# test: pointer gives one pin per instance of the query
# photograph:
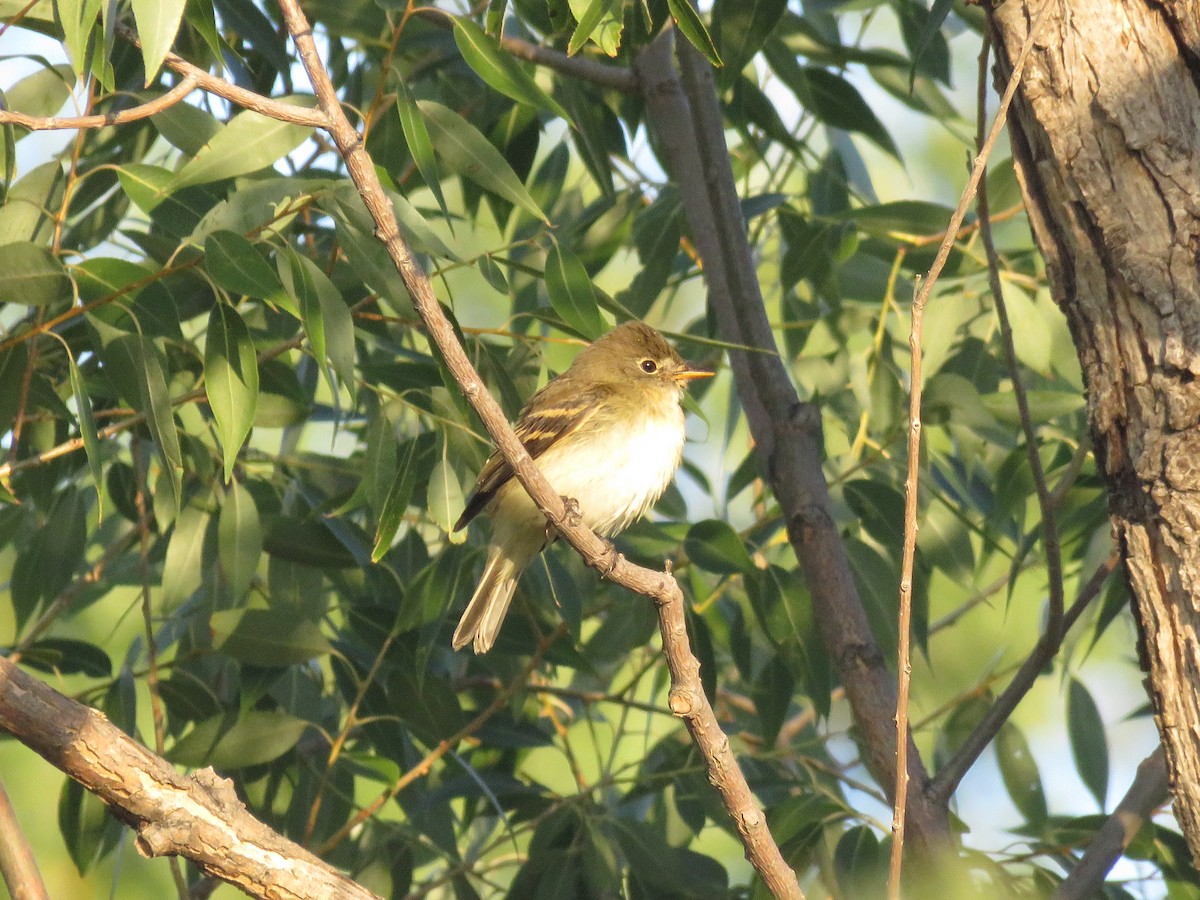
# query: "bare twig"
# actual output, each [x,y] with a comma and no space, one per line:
[903,663]
[1146,794]
[17,865]
[133,114]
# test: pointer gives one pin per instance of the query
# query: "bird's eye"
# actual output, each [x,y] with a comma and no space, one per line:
[649,366]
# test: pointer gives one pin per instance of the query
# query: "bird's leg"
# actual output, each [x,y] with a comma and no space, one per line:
[669,566]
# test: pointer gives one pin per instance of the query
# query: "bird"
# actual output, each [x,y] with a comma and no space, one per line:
[607,433]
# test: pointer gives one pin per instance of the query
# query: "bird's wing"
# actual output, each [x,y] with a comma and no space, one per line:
[545,420]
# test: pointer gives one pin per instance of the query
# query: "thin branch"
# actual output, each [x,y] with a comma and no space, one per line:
[687,698]
[590,70]
[284,112]
[133,114]
[904,626]
[197,816]
[1147,793]
[946,781]
[17,864]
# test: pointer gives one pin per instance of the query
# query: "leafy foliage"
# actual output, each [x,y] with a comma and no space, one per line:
[216,400]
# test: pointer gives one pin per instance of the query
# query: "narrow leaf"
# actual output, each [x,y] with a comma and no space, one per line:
[230,380]
[157,24]
[251,141]
[498,68]
[471,155]
[239,539]
[236,265]
[571,293]
[87,430]
[416,135]
[1089,745]
[445,499]
[693,29]
[32,275]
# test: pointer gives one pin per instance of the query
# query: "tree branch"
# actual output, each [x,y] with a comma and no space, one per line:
[1147,793]
[198,816]
[133,114]
[787,433]
[284,112]
[580,67]
[687,698]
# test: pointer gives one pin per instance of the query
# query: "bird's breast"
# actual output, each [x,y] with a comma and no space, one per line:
[617,472]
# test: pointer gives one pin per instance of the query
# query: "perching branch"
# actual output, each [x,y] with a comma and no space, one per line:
[197,816]
[687,698]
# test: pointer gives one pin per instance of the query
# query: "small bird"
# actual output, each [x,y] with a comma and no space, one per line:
[607,433]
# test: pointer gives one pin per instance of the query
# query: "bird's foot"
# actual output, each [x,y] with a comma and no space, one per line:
[571,514]
[611,561]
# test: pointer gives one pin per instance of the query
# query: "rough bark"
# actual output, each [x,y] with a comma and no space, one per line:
[1106,136]
[197,816]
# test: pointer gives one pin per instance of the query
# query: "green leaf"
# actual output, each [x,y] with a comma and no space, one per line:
[741,27]
[396,502]
[236,265]
[601,22]
[498,68]
[715,547]
[445,499]
[182,574]
[87,828]
[87,430]
[23,217]
[471,155]
[33,276]
[571,293]
[257,737]
[1089,743]
[65,656]
[239,539]
[835,101]
[157,24]
[416,135]
[326,318]
[693,29]
[230,380]
[251,141]
[267,637]
[1019,771]
[139,356]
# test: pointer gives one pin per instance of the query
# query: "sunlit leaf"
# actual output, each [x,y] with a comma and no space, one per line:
[499,68]
[467,152]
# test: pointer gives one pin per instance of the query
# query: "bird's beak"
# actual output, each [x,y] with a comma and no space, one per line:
[691,373]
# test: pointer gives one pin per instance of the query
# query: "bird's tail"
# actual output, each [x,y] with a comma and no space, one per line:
[480,622]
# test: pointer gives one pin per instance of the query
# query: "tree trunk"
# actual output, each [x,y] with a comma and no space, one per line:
[1106,137]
